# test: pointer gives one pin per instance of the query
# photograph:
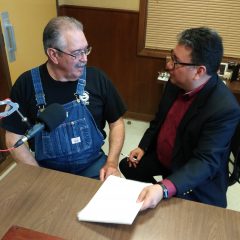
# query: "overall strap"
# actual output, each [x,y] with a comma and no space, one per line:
[81,85]
[39,94]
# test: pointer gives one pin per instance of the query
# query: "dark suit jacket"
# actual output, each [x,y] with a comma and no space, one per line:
[201,150]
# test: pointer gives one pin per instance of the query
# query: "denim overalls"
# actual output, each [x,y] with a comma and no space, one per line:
[75,145]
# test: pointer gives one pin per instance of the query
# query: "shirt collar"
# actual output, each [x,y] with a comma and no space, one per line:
[193,93]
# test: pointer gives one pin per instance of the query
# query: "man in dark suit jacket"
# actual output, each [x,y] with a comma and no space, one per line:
[188,141]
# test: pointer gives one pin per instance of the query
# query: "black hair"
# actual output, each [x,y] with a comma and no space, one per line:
[206,45]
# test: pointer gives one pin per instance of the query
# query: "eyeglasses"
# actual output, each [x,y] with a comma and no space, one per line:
[78,54]
[175,62]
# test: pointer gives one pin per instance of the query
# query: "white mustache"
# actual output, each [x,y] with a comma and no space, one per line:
[80,65]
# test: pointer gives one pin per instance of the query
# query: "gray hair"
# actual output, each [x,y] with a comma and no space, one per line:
[52,34]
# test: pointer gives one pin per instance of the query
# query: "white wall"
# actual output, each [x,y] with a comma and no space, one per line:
[28,18]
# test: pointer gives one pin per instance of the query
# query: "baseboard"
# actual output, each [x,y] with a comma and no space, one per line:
[139,116]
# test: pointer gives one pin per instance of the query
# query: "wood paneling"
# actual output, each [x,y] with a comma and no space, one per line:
[114,36]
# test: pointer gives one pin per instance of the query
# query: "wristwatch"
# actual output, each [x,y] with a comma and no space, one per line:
[165,191]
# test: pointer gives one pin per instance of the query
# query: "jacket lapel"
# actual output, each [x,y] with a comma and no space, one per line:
[194,109]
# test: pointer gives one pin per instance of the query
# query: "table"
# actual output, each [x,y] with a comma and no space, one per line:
[48,201]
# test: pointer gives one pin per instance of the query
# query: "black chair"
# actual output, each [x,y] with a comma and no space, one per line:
[234,158]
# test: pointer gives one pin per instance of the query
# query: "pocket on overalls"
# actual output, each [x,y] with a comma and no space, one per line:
[67,139]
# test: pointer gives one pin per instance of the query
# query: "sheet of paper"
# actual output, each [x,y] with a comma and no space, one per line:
[114,202]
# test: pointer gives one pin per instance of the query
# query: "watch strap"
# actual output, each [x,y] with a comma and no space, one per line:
[165,190]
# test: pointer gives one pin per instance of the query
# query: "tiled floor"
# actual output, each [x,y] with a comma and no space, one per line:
[134,132]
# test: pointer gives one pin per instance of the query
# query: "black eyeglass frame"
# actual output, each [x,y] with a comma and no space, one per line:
[86,51]
[176,62]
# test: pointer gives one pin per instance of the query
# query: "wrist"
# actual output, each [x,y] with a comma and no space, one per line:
[111,163]
[165,190]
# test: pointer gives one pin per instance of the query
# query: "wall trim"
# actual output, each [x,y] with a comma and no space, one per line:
[98,8]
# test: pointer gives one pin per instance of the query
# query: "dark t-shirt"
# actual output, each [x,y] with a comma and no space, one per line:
[105,104]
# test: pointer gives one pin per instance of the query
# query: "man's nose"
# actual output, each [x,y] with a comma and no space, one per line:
[83,57]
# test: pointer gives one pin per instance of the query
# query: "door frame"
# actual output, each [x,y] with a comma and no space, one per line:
[5,87]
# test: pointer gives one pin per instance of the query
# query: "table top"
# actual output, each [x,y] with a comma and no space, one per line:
[48,201]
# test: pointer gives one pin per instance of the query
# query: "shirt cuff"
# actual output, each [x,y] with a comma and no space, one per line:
[170,187]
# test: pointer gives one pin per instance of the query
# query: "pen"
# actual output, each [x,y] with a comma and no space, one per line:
[125,155]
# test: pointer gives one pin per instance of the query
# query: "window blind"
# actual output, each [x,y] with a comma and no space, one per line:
[165,19]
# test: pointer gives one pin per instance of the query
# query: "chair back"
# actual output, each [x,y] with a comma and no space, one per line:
[234,158]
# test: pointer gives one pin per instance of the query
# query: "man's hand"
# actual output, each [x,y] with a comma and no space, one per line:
[150,196]
[109,169]
[135,156]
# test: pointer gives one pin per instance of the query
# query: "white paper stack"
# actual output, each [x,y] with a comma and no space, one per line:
[114,202]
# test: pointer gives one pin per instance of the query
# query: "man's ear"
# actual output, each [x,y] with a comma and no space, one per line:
[53,55]
[201,71]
